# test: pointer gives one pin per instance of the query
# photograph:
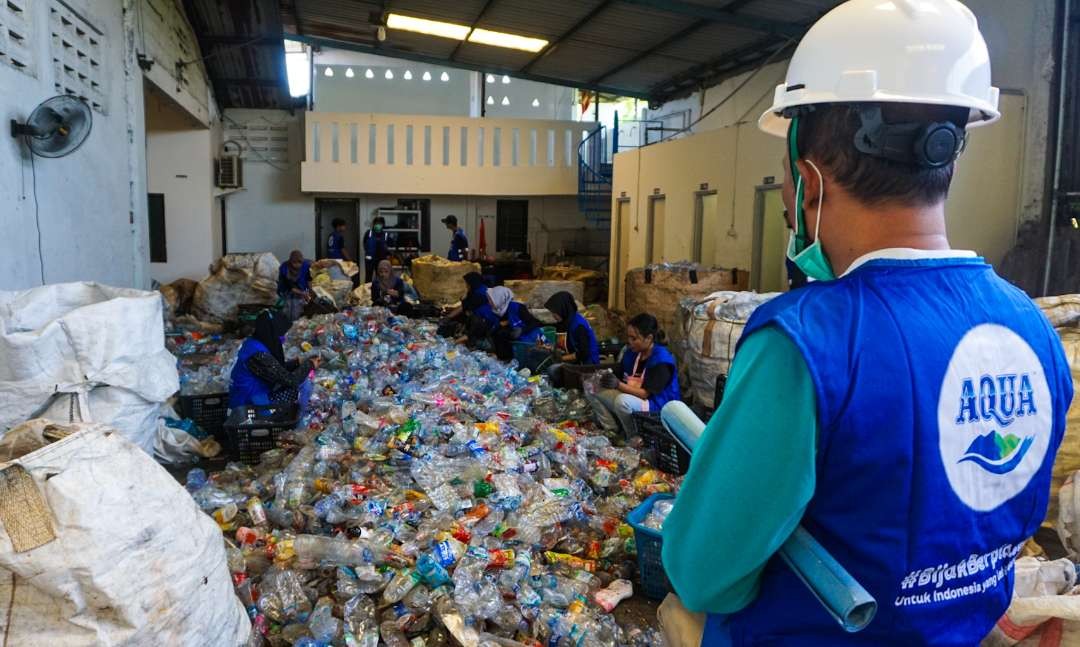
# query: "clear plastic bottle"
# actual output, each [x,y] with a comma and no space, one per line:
[433,573]
[322,623]
[398,587]
[297,486]
[392,635]
[328,550]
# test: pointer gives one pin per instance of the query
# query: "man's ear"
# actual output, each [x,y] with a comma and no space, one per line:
[811,184]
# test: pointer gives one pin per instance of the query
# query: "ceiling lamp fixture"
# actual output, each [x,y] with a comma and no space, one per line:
[506,101]
[455,31]
[349,73]
[407,75]
[427,76]
[510,41]
[328,71]
[444,77]
[429,27]
[490,100]
[536,103]
[506,79]
[490,78]
[368,74]
[389,74]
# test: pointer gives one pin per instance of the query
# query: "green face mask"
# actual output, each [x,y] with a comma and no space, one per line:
[377,228]
[811,259]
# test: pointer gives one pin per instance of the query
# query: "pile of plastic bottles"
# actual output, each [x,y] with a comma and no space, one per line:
[204,361]
[431,495]
[659,513]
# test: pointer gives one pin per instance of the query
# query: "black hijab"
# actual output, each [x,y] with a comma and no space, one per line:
[477,295]
[269,329]
[562,304]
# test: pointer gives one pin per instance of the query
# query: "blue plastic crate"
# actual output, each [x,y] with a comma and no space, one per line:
[649,542]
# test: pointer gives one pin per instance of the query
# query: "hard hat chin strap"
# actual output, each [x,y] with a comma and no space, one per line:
[927,145]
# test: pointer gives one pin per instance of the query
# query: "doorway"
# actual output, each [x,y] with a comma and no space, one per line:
[654,230]
[769,271]
[703,249]
[326,211]
[512,226]
[620,243]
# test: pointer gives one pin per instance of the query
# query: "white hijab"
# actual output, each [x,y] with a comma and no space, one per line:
[500,299]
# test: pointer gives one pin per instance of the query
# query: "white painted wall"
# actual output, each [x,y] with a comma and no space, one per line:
[179,164]
[91,205]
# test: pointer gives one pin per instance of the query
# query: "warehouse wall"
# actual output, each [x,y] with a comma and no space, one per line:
[271,214]
[179,164]
[90,206]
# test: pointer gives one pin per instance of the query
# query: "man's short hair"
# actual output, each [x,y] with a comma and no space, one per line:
[338,222]
[827,137]
[296,255]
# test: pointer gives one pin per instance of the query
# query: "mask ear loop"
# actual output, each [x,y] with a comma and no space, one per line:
[821,196]
[793,156]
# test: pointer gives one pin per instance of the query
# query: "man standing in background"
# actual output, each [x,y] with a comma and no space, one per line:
[458,242]
[335,244]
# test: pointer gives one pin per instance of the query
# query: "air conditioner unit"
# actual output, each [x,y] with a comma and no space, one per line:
[229,171]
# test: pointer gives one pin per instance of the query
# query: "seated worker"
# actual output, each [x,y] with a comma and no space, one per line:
[261,376]
[645,380]
[581,345]
[388,290]
[475,296]
[375,247]
[294,284]
[515,324]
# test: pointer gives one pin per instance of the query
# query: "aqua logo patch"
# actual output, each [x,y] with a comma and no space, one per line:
[994,417]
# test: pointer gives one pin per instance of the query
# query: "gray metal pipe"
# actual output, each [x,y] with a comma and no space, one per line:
[1054,199]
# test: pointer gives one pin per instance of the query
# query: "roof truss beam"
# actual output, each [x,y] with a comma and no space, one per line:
[585,20]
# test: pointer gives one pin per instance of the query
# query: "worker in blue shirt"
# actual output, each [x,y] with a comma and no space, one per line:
[335,243]
[375,247]
[294,284]
[458,242]
[906,405]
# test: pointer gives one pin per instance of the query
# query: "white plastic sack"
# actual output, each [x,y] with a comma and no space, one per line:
[104,344]
[713,327]
[133,562]
[1045,609]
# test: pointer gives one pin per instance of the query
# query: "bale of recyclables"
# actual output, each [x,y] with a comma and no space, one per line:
[439,280]
[607,324]
[176,297]
[712,331]
[236,279]
[1064,314]
[594,286]
[101,546]
[535,293]
[658,289]
[333,277]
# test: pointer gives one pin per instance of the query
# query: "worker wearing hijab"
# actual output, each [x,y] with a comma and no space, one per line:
[261,376]
[515,323]
[581,344]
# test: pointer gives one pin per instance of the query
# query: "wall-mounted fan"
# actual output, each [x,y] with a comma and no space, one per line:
[56,127]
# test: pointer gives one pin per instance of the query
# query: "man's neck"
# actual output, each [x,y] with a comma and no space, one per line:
[868,230]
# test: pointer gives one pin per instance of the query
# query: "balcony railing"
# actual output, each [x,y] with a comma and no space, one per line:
[434,155]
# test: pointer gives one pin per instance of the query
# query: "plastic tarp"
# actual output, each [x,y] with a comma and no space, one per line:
[100,546]
[83,351]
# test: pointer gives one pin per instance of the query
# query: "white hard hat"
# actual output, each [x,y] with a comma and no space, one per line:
[899,51]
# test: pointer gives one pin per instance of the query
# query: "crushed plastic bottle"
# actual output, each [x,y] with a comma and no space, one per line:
[431,496]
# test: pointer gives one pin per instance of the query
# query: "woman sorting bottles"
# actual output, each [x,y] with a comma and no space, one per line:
[645,380]
[261,376]
[582,348]
[515,323]
[388,290]
[456,322]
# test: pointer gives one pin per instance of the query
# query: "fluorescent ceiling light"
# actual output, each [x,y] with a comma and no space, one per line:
[506,101]
[536,103]
[490,100]
[461,32]
[389,74]
[298,67]
[427,76]
[512,41]
[506,79]
[349,73]
[368,74]
[328,71]
[444,77]
[407,75]
[430,27]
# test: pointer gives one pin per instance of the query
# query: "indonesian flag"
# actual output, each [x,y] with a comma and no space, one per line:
[585,98]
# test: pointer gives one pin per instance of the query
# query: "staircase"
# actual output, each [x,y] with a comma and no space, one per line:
[595,173]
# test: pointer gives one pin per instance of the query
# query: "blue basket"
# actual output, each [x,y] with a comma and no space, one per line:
[654,581]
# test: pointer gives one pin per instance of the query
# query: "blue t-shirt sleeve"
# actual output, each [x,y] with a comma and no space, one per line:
[751,477]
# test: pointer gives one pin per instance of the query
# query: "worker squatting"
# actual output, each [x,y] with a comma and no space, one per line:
[973,565]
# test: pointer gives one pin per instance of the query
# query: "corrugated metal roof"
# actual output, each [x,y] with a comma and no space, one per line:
[655,49]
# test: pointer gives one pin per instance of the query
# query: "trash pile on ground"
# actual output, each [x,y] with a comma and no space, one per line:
[431,493]
[204,360]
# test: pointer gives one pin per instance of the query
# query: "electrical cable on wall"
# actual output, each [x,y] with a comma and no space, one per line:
[37,218]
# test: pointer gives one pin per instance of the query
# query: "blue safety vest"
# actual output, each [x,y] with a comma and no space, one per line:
[303,280]
[375,245]
[941,395]
[245,387]
[458,244]
[485,312]
[334,244]
[590,355]
[660,355]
